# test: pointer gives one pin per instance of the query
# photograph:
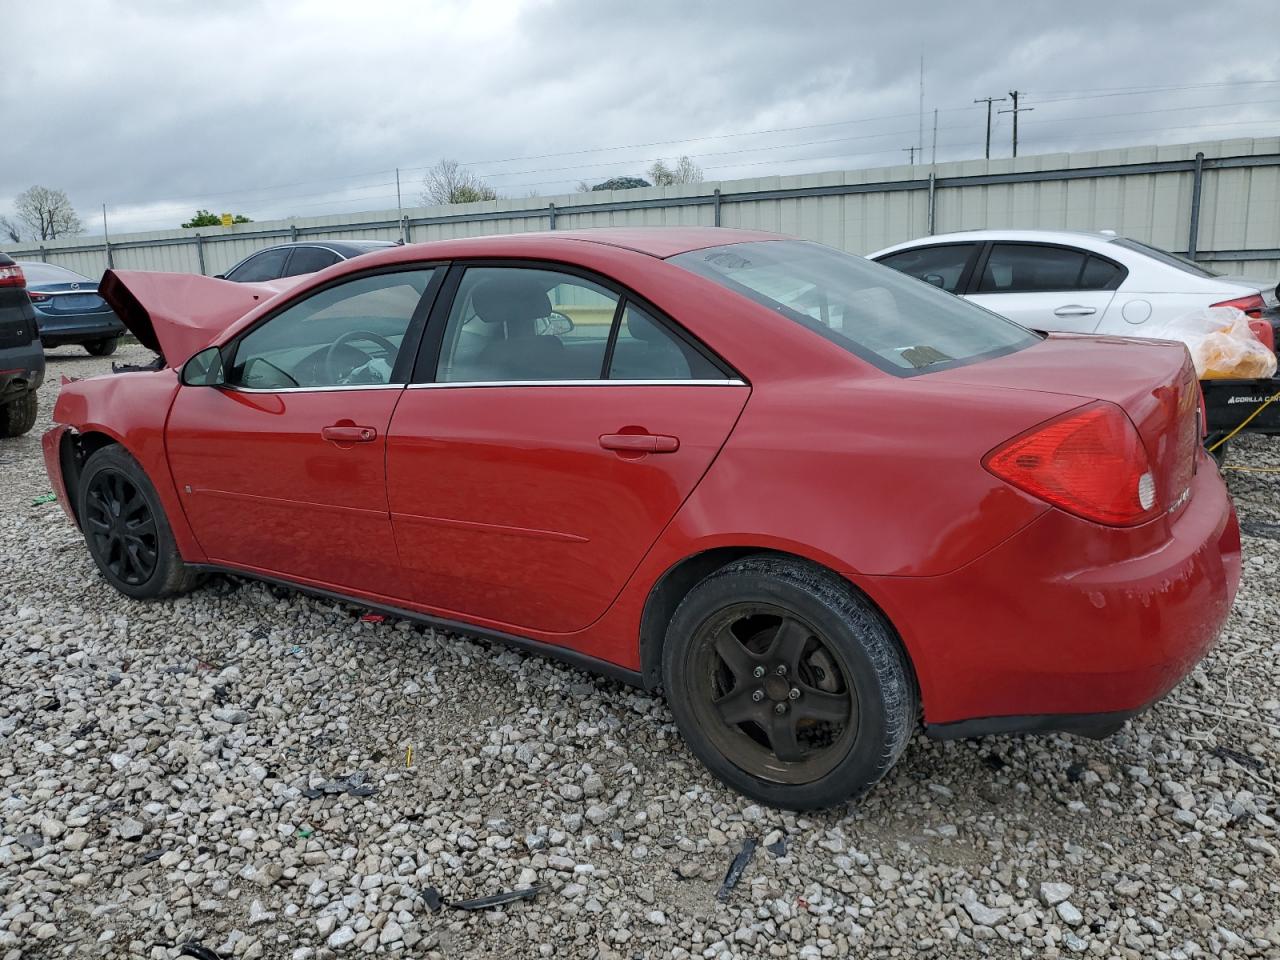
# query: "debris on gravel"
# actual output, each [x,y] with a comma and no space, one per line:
[251,772]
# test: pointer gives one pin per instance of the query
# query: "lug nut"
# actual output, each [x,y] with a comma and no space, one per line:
[758,671]
[782,669]
[758,696]
[793,693]
[780,708]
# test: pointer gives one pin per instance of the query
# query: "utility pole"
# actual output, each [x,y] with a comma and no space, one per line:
[934,158]
[399,209]
[1013,95]
[911,152]
[920,133]
[989,101]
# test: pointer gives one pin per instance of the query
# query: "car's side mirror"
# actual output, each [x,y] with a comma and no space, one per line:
[934,279]
[556,325]
[219,276]
[204,369]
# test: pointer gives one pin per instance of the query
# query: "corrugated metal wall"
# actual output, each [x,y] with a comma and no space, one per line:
[1239,210]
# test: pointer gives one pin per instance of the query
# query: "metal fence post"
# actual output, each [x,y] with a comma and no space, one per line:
[406,230]
[293,233]
[1193,235]
[551,216]
[44,254]
[717,206]
[931,203]
[200,253]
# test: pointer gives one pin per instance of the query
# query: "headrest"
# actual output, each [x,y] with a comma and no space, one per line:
[510,297]
[642,328]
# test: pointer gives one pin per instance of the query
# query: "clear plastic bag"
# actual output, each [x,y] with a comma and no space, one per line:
[1222,345]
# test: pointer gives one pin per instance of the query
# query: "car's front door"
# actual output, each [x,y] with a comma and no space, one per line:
[1046,287]
[282,469]
[558,432]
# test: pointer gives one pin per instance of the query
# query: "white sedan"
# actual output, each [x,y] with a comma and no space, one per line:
[1076,282]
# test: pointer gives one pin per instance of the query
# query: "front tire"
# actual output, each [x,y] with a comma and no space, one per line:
[787,683]
[17,416]
[102,348]
[126,529]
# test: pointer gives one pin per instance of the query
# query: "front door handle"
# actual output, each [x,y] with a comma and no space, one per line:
[640,443]
[349,433]
[1074,310]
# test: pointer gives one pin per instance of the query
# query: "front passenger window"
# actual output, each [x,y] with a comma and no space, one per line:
[346,335]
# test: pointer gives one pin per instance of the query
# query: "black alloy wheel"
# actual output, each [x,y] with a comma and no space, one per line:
[121,527]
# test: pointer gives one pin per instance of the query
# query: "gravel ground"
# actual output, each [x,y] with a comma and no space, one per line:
[174,772]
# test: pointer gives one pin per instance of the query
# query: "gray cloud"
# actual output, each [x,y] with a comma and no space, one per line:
[305,108]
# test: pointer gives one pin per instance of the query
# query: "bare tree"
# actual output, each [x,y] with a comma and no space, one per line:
[449,182]
[47,213]
[684,171]
[9,230]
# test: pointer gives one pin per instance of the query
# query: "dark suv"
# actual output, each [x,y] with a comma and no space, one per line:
[21,355]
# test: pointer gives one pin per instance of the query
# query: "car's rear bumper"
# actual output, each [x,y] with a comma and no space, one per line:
[78,328]
[1068,625]
[21,369]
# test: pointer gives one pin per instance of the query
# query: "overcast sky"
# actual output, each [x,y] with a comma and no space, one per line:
[305,108]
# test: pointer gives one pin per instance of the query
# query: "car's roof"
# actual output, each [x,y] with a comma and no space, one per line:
[661,242]
[1085,239]
[345,247]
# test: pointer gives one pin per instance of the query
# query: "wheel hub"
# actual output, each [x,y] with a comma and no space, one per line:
[776,688]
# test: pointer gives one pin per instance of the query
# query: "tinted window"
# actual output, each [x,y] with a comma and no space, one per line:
[646,350]
[515,323]
[310,259]
[265,266]
[942,266]
[1100,274]
[870,310]
[1167,258]
[1027,268]
[346,335]
[37,272]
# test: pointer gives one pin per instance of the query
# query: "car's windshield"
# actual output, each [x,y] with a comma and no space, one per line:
[896,322]
[1167,258]
[48,273]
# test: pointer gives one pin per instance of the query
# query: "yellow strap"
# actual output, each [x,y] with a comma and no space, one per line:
[1245,422]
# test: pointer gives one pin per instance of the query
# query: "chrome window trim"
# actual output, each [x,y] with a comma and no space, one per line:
[732,382]
[337,387]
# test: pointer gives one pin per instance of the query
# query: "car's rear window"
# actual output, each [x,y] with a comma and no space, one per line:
[49,273]
[1167,258]
[902,325]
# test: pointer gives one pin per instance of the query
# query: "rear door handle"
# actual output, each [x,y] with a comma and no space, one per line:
[1074,310]
[640,443]
[349,433]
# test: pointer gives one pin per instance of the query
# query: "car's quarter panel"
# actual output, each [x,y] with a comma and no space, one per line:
[262,488]
[131,410]
[1069,617]
[508,509]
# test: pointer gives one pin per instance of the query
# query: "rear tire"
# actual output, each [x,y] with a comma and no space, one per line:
[126,530]
[102,348]
[1219,453]
[787,683]
[17,416]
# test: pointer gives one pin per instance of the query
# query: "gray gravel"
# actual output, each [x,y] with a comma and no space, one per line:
[232,768]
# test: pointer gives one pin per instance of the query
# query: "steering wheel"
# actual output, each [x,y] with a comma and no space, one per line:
[329,364]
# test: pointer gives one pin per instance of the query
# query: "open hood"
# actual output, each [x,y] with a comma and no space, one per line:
[178,314]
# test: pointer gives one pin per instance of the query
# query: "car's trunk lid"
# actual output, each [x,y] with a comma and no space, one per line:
[1153,381]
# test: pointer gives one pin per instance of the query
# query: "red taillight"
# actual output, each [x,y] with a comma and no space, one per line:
[1263,330]
[1253,305]
[11,276]
[38,297]
[1090,462]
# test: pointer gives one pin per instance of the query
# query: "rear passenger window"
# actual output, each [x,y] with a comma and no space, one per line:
[515,324]
[1099,274]
[265,266]
[647,350]
[1028,268]
[942,266]
[309,260]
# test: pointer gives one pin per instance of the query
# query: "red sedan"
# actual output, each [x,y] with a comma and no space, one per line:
[806,495]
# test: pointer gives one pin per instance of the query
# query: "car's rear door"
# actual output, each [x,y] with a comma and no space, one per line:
[283,469]
[531,466]
[1046,286]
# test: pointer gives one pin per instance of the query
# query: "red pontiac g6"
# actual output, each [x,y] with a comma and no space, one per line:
[809,497]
